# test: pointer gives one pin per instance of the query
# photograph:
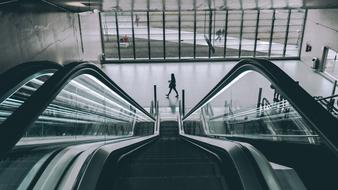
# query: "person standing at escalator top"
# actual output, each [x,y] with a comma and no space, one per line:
[172,85]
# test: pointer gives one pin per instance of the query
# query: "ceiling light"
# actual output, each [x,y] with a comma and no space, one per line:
[75,4]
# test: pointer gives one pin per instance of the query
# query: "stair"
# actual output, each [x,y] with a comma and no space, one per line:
[170,163]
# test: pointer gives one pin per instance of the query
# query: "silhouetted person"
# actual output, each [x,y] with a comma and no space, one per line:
[219,34]
[137,19]
[172,85]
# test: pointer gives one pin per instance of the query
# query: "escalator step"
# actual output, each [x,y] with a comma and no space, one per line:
[171,169]
[168,160]
[172,183]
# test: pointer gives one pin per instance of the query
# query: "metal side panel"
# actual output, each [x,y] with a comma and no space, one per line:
[69,179]
[53,173]
[95,167]
[264,166]
[34,171]
[242,162]
[288,177]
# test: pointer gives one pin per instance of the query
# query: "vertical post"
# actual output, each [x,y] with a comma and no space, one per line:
[226,32]
[256,32]
[155,95]
[331,102]
[117,36]
[179,31]
[152,108]
[102,38]
[214,27]
[210,30]
[334,88]
[259,97]
[183,102]
[195,29]
[301,42]
[271,34]
[241,35]
[287,33]
[163,28]
[259,100]
[180,107]
[148,28]
[133,33]
[80,31]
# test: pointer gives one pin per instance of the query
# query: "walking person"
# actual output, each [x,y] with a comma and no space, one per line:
[172,85]
[137,19]
[219,35]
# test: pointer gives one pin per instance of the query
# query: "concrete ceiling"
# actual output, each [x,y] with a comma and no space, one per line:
[141,5]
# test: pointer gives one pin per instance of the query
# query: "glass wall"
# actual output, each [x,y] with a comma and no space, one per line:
[14,101]
[251,107]
[331,63]
[85,109]
[202,34]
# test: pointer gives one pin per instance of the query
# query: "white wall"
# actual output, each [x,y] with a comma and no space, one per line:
[91,36]
[27,35]
[320,30]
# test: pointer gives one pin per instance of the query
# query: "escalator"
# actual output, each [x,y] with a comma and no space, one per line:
[53,117]
[71,127]
[259,104]
[168,163]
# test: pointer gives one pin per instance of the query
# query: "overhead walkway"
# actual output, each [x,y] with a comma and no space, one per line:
[71,127]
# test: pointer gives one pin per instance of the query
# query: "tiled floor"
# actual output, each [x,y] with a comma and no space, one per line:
[197,79]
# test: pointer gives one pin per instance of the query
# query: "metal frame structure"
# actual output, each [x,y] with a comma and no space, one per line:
[210,26]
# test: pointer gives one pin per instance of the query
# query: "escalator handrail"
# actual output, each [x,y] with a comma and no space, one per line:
[12,79]
[12,129]
[312,112]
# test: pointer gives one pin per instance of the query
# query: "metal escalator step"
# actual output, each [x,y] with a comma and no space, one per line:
[172,183]
[167,160]
[170,169]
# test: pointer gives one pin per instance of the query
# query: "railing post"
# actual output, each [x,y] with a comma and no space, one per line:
[334,88]
[180,107]
[152,107]
[331,102]
[155,96]
[183,102]
[259,100]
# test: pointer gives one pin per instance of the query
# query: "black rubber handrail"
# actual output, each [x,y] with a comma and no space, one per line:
[13,128]
[313,113]
[14,78]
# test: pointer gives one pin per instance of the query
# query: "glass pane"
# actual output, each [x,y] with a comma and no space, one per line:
[218,33]
[295,33]
[202,34]
[279,33]
[264,33]
[109,35]
[234,33]
[125,35]
[171,34]
[249,33]
[235,112]
[141,35]
[13,102]
[85,109]
[156,35]
[331,64]
[187,34]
